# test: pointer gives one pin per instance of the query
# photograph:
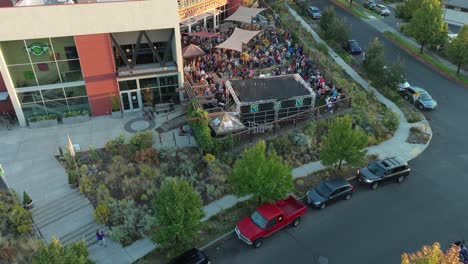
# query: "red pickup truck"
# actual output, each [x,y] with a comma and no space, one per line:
[269,218]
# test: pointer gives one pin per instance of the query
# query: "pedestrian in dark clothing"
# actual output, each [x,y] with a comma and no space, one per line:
[101,238]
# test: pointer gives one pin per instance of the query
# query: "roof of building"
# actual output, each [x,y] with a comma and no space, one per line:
[278,87]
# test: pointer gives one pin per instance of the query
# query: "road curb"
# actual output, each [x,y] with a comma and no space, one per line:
[419,58]
[209,244]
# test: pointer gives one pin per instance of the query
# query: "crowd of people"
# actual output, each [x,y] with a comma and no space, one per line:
[272,52]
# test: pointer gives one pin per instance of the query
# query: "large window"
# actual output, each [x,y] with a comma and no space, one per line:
[54,101]
[158,90]
[45,61]
[145,54]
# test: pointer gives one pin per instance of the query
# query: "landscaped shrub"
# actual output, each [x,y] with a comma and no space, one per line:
[56,253]
[282,145]
[86,184]
[14,219]
[41,118]
[142,140]
[149,155]
[102,194]
[102,213]
[75,113]
[17,249]
[72,176]
[84,169]
[128,220]
[201,130]
[299,139]
[116,146]
[209,158]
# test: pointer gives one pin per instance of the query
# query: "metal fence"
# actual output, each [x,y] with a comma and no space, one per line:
[257,131]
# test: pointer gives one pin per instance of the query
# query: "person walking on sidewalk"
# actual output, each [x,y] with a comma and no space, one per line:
[101,238]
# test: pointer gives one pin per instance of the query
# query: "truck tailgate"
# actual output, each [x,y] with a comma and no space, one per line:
[291,207]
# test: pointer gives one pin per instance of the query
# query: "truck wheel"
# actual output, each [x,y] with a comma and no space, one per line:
[296,222]
[375,185]
[401,179]
[257,243]
[322,206]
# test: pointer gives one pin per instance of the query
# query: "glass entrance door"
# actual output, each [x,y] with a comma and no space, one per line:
[131,101]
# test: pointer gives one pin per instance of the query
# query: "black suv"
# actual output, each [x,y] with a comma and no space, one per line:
[192,256]
[391,169]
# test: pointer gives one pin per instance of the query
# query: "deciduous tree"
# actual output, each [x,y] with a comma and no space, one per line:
[427,25]
[458,48]
[264,176]
[343,143]
[177,215]
[432,255]
[394,75]
[326,21]
[406,9]
[374,61]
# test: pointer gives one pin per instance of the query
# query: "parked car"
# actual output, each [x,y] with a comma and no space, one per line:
[419,97]
[352,47]
[390,169]
[269,218]
[192,256]
[314,12]
[328,192]
[369,4]
[382,10]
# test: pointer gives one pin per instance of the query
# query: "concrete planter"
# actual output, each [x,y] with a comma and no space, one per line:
[75,119]
[117,114]
[73,185]
[43,123]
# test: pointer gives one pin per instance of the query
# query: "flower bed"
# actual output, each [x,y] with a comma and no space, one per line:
[42,121]
[74,117]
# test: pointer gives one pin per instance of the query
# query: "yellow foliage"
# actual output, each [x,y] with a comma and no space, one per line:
[432,255]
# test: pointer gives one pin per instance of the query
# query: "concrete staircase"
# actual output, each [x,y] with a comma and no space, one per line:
[68,218]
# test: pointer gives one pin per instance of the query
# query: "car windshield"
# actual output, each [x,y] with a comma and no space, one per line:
[376,169]
[323,190]
[258,219]
[383,8]
[315,11]
[425,97]
[353,44]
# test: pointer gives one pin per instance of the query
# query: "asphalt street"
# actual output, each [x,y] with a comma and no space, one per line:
[377,226]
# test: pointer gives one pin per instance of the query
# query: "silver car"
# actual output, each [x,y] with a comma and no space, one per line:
[382,10]
[314,12]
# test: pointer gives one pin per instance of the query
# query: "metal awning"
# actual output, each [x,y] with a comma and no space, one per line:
[3,96]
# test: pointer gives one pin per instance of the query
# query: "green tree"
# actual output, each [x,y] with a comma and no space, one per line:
[458,48]
[263,176]
[406,9]
[427,25]
[374,62]
[56,253]
[395,74]
[340,31]
[177,215]
[432,255]
[343,143]
[326,22]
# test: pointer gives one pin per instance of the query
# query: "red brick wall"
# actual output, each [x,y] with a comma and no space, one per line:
[5,106]
[6,3]
[98,66]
